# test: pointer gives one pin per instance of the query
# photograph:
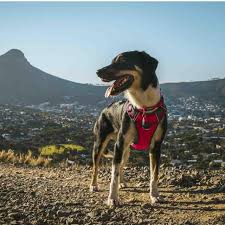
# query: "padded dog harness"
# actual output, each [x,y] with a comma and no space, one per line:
[146,121]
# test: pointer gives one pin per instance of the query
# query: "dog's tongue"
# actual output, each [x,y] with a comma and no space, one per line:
[108,91]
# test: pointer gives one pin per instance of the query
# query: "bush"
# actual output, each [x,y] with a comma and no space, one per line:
[50,150]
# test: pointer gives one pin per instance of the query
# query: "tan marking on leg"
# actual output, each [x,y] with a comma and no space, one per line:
[154,166]
[114,186]
[125,159]
[153,177]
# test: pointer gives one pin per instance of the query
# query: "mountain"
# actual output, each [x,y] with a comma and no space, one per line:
[211,90]
[20,82]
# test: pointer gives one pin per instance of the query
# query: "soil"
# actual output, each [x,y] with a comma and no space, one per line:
[61,196]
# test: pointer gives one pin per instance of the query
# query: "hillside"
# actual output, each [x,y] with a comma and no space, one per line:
[20,82]
[212,89]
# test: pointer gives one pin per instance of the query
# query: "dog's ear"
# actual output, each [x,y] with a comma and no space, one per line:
[149,66]
[149,62]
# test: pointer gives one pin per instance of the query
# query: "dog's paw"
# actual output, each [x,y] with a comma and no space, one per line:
[94,188]
[156,199]
[112,202]
[122,185]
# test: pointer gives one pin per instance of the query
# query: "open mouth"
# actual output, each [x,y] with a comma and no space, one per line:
[120,85]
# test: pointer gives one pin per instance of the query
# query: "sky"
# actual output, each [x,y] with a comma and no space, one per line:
[72,40]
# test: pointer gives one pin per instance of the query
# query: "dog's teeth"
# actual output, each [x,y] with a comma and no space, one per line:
[107,93]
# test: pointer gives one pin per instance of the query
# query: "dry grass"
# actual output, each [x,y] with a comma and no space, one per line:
[28,159]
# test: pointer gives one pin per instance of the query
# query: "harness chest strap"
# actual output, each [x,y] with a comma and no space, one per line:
[146,121]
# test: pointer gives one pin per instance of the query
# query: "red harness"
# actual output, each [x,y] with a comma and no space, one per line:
[146,121]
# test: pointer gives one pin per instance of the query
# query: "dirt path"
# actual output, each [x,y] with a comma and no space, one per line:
[61,196]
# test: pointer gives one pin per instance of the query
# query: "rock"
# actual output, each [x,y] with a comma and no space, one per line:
[69,220]
[16,215]
[33,193]
[63,213]
[94,213]
[222,188]
[146,206]
[14,222]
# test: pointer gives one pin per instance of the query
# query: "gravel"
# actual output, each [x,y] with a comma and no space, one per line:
[61,196]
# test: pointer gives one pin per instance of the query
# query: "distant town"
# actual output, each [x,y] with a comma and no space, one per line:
[195,137]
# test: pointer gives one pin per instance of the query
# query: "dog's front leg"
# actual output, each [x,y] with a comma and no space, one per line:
[126,155]
[154,171]
[115,179]
[124,138]
[113,199]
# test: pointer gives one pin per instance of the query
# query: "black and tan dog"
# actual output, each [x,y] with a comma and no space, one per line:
[133,73]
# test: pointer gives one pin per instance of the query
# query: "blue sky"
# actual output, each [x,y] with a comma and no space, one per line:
[73,40]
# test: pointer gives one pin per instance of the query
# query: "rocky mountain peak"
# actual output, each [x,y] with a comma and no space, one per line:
[14,55]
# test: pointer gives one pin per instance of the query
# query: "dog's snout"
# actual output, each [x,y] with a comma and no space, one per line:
[98,72]
[105,71]
[101,71]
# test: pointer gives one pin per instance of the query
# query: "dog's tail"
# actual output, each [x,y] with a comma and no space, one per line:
[108,154]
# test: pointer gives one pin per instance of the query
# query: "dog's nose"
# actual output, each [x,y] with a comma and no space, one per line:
[99,72]
[102,71]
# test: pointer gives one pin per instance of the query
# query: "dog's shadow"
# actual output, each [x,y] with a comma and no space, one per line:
[143,189]
[191,206]
[180,205]
[211,190]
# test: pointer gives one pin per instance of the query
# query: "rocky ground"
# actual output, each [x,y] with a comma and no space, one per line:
[61,196]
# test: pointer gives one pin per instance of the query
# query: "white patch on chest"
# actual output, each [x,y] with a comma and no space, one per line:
[147,98]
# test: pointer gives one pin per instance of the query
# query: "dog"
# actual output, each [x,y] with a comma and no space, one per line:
[134,74]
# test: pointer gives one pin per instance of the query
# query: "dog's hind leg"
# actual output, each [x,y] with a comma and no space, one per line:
[98,149]
[102,132]
[96,156]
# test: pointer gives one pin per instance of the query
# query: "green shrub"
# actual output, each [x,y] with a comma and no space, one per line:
[50,150]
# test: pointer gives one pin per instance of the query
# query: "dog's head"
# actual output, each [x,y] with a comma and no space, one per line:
[129,70]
